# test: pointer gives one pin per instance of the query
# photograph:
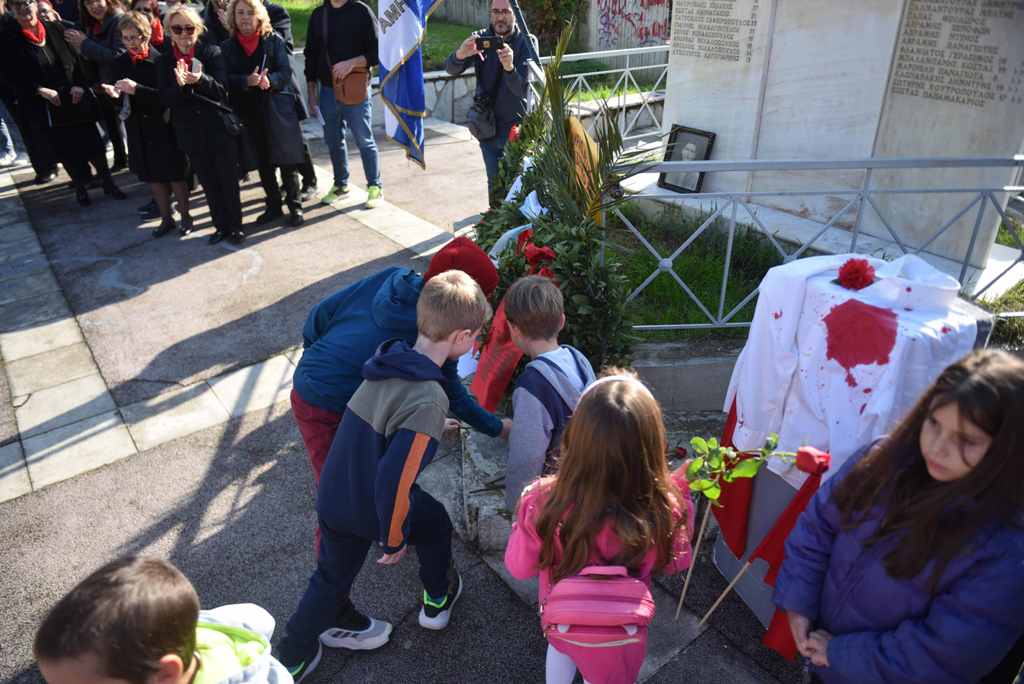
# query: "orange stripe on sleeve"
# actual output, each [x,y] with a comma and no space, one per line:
[409,472]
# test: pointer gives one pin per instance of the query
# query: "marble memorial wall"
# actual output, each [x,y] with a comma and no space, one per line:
[832,79]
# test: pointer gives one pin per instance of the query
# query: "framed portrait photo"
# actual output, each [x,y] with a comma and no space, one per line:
[686,144]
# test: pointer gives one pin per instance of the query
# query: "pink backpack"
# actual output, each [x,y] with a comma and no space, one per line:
[601,607]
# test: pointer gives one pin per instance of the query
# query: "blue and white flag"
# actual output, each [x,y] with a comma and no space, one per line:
[402,25]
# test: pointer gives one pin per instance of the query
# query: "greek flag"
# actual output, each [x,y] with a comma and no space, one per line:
[402,25]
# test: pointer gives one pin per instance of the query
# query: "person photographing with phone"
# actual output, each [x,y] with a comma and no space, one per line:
[498,55]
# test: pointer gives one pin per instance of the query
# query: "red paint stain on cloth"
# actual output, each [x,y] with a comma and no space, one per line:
[946,330]
[859,334]
[776,315]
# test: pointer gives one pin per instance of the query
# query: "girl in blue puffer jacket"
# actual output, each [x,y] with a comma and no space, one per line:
[908,565]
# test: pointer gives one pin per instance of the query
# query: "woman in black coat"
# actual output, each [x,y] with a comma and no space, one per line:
[99,46]
[54,97]
[193,87]
[153,153]
[260,84]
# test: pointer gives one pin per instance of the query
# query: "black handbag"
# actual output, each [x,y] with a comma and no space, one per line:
[480,118]
[233,125]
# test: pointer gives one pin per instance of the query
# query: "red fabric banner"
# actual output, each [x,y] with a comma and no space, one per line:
[772,548]
[779,636]
[498,362]
[733,509]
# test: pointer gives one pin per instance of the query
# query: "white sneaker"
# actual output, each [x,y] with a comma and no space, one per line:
[433,616]
[374,636]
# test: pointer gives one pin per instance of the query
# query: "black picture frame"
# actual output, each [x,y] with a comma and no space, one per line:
[678,140]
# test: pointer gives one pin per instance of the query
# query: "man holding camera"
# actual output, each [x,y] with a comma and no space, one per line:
[498,55]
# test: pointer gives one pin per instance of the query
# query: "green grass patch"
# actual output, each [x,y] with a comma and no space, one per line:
[1006,231]
[442,36]
[701,267]
[1008,332]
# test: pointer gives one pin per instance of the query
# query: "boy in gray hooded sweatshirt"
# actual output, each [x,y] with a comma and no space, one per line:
[549,388]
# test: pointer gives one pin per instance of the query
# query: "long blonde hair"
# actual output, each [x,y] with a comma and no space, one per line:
[261,13]
[613,469]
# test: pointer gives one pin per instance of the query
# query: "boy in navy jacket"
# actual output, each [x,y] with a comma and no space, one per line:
[548,389]
[388,435]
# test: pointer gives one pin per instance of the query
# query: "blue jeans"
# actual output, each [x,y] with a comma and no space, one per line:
[493,150]
[359,119]
[6,143]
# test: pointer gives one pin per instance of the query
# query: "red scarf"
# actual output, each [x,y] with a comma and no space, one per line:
[37,37]
[157,37]
[141,55]
[187,56]
[249,43]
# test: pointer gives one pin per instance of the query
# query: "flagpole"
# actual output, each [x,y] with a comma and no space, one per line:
[693,557]
[737,578]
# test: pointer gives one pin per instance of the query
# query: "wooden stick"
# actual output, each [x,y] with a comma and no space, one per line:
[693,557]
[739,575]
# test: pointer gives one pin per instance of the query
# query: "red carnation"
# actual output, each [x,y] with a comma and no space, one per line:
[856,274]
[522,239]
[513,133]
[547,273]
[535,255]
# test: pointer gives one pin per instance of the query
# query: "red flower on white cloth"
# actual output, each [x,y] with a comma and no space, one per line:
[856,274]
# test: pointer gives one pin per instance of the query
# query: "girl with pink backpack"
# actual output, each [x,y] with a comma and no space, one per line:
[598,530]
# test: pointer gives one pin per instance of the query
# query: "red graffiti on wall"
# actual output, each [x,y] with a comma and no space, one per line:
[625,23]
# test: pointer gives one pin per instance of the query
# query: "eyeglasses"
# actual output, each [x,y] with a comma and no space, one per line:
[130,37]
[178,29]
[501,12]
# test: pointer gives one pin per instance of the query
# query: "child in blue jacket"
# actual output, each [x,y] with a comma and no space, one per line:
[908,565]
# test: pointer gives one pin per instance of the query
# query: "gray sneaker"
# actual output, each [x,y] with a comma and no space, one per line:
[374,636]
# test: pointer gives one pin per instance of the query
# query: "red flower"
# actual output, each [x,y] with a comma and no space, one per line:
[522,239]
[513,133]
[535,255]
[547,273]
[856,274]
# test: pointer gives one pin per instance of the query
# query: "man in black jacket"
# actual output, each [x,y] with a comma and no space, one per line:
[501,77]
[351,32]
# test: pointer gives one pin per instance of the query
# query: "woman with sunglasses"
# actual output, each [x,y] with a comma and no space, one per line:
[193,86]
[259,81]
[100,44]
[152,150]
[55,102]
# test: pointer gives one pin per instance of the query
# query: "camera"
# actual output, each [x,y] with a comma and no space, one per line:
[489,43]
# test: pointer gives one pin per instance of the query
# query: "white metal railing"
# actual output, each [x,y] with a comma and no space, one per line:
[862,199]
[635,79]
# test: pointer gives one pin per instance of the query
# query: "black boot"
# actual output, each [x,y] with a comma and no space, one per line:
[271,214]
[111,190]
[82,195]
[165,227]
[295,218]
